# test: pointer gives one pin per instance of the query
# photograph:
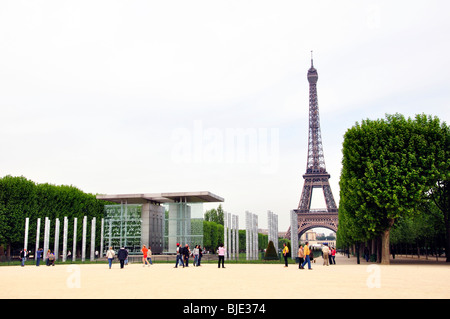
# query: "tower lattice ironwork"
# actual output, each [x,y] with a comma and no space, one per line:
[316,175]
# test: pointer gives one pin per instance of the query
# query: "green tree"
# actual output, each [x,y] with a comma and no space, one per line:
[21,198]
[211,215]
[220,215]
[387,167]
[17,201]
[215,215]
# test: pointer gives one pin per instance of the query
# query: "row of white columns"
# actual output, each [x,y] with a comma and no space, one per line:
[251,235]
[272,224]
[231,236]
[47,224]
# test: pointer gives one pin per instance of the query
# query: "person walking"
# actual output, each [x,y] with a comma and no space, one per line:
[366,254]
[110,255]
[39,256]
[149,256]
[126,259]
[307,253]
[122,255]
[187,253]
[301,257]
[23,256]
[333,255]
[285,254]
[200,255]
[179,256]
[196,253]
[325,253]
[144,255]
[221,253]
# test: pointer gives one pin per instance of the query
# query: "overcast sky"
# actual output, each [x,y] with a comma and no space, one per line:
[157,96]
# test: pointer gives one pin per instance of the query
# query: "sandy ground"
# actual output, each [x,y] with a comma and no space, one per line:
[344,280]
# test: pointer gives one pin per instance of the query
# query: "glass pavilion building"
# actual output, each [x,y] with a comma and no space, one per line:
[158,220]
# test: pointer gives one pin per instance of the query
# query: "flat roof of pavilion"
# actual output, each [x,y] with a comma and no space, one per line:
[162,198]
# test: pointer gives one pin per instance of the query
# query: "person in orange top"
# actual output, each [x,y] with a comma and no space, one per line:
[144,258]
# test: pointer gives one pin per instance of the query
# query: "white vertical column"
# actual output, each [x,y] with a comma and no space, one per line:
[233,234]
[247,235]
[25,242]
[74,249]
[237,237]
[231,239]
[251,220]
[294,234]
[38,231]
[56,244]
[83,243]
[225,233]
[229,250]
[255,236]
[65,229]
[276,232]
[46,236]
[93,239]
[101,238]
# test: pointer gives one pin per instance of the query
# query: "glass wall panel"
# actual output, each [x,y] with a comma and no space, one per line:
[184,225]
[123,227]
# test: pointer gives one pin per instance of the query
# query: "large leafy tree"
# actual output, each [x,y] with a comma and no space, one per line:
[21,198]
[17,200]
[387,167]
[215,215]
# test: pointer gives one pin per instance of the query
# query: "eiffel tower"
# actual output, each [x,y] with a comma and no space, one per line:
[316,175]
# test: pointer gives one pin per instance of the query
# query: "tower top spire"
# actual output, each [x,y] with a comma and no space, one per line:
[312,72]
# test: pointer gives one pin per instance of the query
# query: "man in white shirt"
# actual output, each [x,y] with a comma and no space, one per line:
[325,252]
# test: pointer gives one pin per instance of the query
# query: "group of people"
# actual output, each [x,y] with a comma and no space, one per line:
[49,260]
[328,255]
[305,255]
[183,254]
[122,255]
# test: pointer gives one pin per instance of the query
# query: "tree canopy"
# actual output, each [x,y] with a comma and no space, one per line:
[21,198]
[388,167]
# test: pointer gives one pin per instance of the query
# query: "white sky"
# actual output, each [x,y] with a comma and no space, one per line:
[145,96]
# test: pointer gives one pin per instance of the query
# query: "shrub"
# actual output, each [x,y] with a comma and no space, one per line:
[271,253]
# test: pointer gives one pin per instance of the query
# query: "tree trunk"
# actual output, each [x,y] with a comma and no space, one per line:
[418,250]
[379,249]
[385,244]
[447,239]
[357,253]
